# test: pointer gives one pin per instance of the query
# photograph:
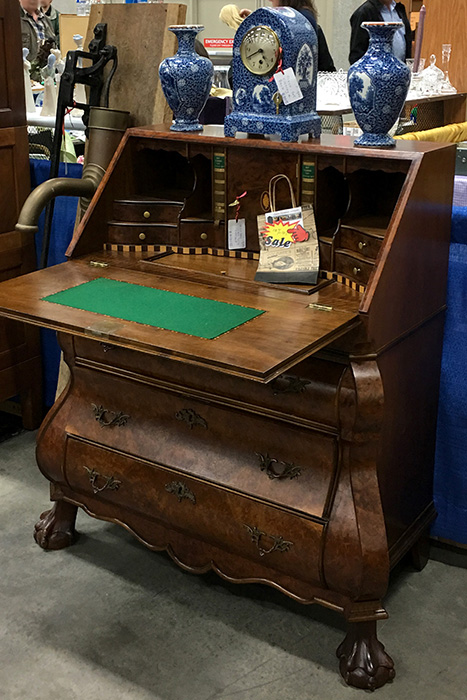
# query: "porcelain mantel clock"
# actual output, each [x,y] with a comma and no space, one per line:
[267,42]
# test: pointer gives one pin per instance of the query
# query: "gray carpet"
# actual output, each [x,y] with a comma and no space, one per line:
[107,619]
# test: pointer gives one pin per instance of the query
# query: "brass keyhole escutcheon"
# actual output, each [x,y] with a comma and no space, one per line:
[181,490]
[142,236]
[204,236]
[356,271]
[146,214]
[277,99]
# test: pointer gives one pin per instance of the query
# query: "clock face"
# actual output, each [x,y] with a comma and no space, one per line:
[259,50]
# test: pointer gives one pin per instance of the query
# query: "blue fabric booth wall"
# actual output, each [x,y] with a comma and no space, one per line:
[451,447]
[62,229]
[450,486]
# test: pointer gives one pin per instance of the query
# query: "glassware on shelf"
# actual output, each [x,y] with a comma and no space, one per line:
[332,90]
[432,78]
[416,79]
[446,86]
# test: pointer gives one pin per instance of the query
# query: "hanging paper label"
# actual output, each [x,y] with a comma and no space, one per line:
[236,234]
[288,86]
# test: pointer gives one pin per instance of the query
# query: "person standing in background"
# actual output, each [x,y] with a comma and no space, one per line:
[35,27]
[380,11]
[54,17]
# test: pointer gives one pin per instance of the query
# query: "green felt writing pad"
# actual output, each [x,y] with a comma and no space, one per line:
[203,318]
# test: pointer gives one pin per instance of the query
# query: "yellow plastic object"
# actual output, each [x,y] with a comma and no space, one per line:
[451,133]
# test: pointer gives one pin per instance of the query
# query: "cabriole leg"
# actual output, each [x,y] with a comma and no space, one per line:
[56,527]
[363,663]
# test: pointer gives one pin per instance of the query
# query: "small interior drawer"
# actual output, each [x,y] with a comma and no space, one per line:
[353,240]
[143,234]
[148,212]
[201,232]
[352,266]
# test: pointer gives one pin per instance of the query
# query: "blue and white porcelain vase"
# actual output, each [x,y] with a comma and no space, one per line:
[186,79]
[378,85]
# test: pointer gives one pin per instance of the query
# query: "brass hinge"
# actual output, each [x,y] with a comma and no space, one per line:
[320,307]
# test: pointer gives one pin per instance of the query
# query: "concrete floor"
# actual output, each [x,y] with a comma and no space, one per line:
[109,620]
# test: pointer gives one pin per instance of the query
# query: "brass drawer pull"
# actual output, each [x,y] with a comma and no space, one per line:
[290,470]
[142,236]
[109,481]
[204,236]
[362,245]
[289,384]
[356,271]
[188,415]
[180,490]
[278,542]
[146,214]
[109,419]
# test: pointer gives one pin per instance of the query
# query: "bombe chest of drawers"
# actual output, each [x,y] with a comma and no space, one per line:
[294,448]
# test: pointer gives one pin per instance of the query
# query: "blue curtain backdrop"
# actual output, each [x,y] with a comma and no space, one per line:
[450,486]
[62,230]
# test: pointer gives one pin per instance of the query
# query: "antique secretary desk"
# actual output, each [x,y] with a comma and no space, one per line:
[295,449]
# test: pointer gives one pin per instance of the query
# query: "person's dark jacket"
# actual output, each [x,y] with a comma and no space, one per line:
[370,11]
[325,62]
[54,17]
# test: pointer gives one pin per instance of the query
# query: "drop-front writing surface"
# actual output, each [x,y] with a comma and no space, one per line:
[285,450]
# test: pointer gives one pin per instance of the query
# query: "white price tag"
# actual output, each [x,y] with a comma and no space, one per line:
[236,234]
[288,86]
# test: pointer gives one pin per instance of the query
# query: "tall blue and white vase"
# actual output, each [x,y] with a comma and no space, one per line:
[186,79]
[378,85]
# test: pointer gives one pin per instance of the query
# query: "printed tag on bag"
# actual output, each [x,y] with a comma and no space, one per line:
[289,249]
[236,234]
[288,86]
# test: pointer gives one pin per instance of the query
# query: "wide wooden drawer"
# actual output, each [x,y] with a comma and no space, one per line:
[147,211]
[270,459]
[143,234]
[306,394]
[214,514]
[352,266]
[361,243]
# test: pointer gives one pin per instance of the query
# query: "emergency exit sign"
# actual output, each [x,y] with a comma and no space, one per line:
[218,43]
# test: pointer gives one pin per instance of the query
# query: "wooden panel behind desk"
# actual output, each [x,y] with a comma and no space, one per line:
[139,31]
[446,23]
[20,369]
[70,25]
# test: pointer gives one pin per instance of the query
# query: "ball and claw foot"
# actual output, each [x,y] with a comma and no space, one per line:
[56,527]
[363,661]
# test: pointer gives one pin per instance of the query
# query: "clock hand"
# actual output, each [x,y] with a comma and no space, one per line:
[255,52]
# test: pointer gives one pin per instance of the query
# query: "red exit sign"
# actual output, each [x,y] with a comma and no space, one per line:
[218,43]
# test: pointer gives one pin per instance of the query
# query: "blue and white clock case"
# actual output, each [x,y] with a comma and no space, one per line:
[254,110]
